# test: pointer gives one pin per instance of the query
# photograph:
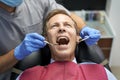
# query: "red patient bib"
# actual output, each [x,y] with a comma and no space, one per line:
[65,71]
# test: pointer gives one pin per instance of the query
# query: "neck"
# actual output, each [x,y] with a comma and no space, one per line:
[74,60]
[7,8]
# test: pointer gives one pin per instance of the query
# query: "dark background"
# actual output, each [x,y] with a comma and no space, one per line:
[83,4]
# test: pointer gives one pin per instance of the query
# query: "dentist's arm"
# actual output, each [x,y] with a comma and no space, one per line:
[7,61]
[31,43]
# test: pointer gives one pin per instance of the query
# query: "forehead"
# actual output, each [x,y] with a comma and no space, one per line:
[60,18]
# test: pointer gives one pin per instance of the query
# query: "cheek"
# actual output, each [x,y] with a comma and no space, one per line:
[74,38]
[50,35]
[73,33]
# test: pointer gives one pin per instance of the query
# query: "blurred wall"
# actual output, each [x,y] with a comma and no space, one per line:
[113,11]
[83,4]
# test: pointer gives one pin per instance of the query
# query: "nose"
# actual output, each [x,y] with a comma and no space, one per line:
[61,29]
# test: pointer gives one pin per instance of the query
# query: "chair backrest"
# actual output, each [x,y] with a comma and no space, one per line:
[89,53]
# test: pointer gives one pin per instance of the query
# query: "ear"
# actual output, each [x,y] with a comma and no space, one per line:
[78,39]
[46,38]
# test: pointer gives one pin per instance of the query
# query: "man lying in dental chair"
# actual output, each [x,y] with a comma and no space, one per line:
[60,29]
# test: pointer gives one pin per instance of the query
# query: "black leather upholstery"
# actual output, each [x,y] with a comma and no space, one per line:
[89,53]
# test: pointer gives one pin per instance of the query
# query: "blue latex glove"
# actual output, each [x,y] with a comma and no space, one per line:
[31,43]
[93,34]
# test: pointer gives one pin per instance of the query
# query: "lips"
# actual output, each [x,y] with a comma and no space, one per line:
[62,40]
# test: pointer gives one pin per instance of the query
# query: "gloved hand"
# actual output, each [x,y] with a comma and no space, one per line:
[31,43]
[93,34]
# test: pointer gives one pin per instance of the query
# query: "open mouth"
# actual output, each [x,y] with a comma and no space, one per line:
[62,40]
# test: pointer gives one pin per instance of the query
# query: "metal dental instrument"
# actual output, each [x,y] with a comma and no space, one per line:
[57,44]
[84,39]
[50,43]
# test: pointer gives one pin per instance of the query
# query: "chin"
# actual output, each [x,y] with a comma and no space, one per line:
[64,56]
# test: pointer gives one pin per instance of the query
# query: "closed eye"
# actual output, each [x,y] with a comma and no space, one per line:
[54,25]
[68,24]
